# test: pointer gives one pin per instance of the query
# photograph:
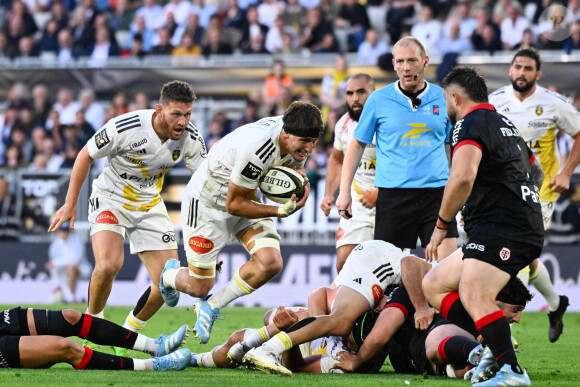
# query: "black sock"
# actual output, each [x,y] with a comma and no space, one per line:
[495,330]
[452,309]
[105,332]
[93,360]
[142,301]
[455,350]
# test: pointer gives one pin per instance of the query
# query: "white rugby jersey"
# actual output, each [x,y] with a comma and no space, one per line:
[242,157]
[364,177]
[329,346]
[538,118]
[138,161]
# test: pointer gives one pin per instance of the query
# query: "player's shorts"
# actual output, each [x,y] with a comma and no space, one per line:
[403,215]
[149,230]
[206,231]
[508,256]
[10,333]
[359,228]
[547,211]
[369,271]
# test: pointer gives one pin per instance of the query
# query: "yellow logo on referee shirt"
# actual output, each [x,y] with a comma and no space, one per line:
[408,139]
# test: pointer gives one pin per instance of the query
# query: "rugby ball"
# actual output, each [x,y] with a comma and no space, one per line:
[279,183]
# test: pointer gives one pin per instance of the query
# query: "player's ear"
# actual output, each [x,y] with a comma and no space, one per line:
[539,75]
[158,109]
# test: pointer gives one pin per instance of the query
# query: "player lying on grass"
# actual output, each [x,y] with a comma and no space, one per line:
[370,268]
[430,351]
[37,338]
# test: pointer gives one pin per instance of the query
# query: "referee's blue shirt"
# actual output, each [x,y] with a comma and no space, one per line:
[410,142]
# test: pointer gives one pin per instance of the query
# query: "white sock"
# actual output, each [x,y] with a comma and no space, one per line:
[145,344]
[279,343]
[132,323]
[236,288]
[143,364]
[257,338]
[204,360]
[99,315]
[541,281]
[169,276]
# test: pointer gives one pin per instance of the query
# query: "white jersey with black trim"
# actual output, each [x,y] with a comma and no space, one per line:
[538,118]
[364,178]
[138,161]
[329,346]
[242,157]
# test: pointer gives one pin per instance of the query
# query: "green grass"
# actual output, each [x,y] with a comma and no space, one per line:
[547,364]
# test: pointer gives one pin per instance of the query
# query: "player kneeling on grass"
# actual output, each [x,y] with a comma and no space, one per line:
[37,338]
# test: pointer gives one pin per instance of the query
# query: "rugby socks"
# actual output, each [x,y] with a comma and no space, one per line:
[540,279]
[170,276]
[257,338]
[93,360]
[279,343]
[101,314]
[236,288]
[132,323]
[455,350]
[495,330]
[104,332]
[204,360]
[452,309]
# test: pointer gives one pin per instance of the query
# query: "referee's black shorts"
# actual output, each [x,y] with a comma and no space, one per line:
[405,214]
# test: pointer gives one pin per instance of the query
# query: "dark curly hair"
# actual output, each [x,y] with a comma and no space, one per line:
[176,91]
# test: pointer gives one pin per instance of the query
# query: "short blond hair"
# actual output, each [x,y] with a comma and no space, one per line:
[407,41]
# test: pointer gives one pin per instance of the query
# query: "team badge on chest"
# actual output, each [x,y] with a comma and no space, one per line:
[176,154]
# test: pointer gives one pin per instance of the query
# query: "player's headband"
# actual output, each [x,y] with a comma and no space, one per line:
[309,132]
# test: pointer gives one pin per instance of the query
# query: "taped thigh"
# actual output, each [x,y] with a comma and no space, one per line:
[259,235]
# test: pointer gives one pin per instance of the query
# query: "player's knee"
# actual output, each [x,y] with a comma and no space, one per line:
[235,337]
[67,349]
[339,326]
[432,352]
[271,265]
[72,316]
[108,269]
[199,287]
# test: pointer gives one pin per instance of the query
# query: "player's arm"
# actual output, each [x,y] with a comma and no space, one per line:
[352,158]
[78,176]
[413,269]
[333,171]
[561,182]
[537,172]
[464,168]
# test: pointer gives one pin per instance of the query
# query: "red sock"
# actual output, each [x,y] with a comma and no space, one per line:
[452,309]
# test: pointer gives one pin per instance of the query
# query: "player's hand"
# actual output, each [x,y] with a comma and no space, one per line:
[436,239]
[346,361]
[301,171]
[284,318]
[343,205]
[369,198]
[560,183]
[424,317]
[327,203]
[292,205]
[65,213]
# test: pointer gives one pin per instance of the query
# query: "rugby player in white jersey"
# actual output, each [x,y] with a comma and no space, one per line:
[539,114]
[361,226]
[219,204]
[141,147]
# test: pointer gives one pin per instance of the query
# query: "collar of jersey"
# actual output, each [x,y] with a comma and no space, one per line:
[487,106]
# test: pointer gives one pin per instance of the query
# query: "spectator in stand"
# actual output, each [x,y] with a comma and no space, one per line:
[71,151]
[83,130]
[528,40]
[119,104]
[256,46]
[137,50]
[105,47]
[512,27]
[428,30]
[53,160]
[250,115]
[332,90]
[65,254]
[170,25]
[192,28]
[37,138]
[27,48]
[48,43]
[66,52]
[4,48]
[9,222]
[26,119]
[330,10]
[274,36]
[139,27]
[59,13]
[310,4]
[36,5]
[151,13]
[251,27]
[573,42]
[180,10]
[234,16]
[461,15]
[399,11]
[354,18]
[187,47]
[215,132]
[14,159]
[121,16]
[214,44]
[285,100]
[40,104]
[93,111]
[164,47]
[268,10]
[10,119]
[294,14]
[66,107]
[274,83]
[454,43]
[488,41]
[20,11]
[18,96]
[318,35]
[14,33]
[140,101]
[39,163]
[289,44]
[372,47]
[19,138]
[82,31]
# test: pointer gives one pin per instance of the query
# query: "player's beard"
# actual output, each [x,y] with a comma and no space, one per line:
[525,88]
[354,115]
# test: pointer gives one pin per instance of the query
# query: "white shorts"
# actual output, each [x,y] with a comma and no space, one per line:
[370,268]
[149,230]
[356,230]
[206,231]
[547,211]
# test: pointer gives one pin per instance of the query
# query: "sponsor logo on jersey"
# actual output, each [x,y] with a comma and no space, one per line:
[107,217]
[377,292]
[456,129]
[475,246]
[175,154]
[528,193]
[169,236]
[251,171]
[409,138]
[7,317]
[101,139]
[539,124]
[200,245]
[138,143]
[505,253]
[143,179]
[435,110]
[340,233]
[136,161]
[539,110]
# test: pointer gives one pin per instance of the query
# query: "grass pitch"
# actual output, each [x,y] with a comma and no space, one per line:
[547,364]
